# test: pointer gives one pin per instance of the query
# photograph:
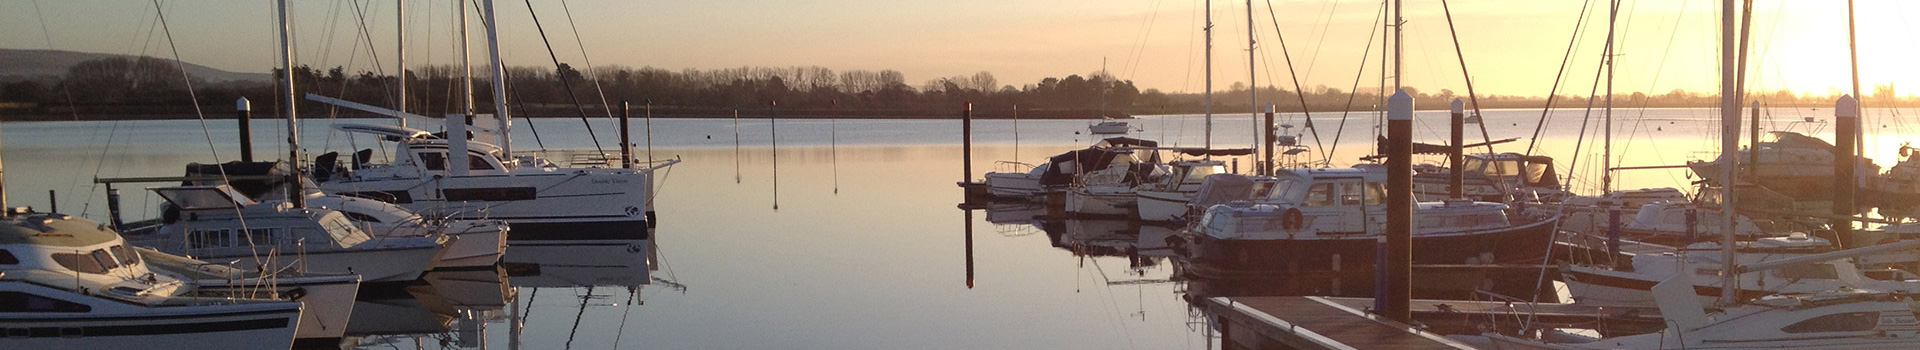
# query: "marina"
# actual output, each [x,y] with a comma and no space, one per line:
[800,207]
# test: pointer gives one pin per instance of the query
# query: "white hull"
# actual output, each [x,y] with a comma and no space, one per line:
[1162,206]
[233,327]
[373,265]
[1108,129]
[1013,185]
[471,289]
[473,245]
[610,203]
[1081,202]
[326,301]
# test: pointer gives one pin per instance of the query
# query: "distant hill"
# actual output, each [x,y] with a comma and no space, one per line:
[22,64]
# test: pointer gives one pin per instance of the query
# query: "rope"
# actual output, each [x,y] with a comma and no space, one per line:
[1354,91]
[1297,91]
[206,132]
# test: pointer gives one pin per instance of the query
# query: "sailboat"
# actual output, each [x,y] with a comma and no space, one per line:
[459,175]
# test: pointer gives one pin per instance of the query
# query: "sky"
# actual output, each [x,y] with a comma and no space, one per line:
[1510,47]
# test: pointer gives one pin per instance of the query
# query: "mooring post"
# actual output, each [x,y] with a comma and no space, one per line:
[1613,230]
[243,111]
[113,208]
[626,135]
[1399,291]
[53,202]
[1456,155]
[1846,116]
[966,143]
[1267,167]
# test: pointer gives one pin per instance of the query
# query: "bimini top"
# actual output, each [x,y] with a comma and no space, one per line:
[54,230]
[390,132]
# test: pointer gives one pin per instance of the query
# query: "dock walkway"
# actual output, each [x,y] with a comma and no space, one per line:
[1314,323]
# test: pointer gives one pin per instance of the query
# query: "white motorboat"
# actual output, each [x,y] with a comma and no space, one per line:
[328,299]
[1167,199]
[216,224]
[1109,127]
[72,283]
[1493,177]
[1018,180]
[1826,320]
[470,243]
[542,201]
[1311,216]
[1633,287]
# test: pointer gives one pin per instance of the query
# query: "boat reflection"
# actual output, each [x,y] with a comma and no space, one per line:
[454,309]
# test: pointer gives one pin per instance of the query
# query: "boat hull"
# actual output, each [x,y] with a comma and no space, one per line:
[1162,206]
[1013,185]
[326,301]
[1517,244]
[1082,203]
[199,327]
[572,204]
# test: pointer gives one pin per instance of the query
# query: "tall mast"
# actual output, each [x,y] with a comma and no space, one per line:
[1606,157]
[400,48]
[1729,140]
[466,62]
[500,116]
[1253,90]
[295,194]
[1207,96]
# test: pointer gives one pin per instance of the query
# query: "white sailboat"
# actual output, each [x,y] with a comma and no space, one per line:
[214,223]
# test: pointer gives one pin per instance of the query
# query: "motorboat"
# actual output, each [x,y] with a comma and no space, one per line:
[1841,319]
[1793,164]
[328,299]
[541,200]
[1631,286]
[1017,180]
[73,283]
[470,243]
[1166,200]
[1109,127]
[1325,218]
[1494,178]
[218,224]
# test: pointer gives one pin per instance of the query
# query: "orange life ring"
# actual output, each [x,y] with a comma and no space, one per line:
[1292,219]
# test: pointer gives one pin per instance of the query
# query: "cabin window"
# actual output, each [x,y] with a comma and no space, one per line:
[6,258]
[22,302]
[434,160]
[265,236]
[1847,322]
[105,258]
[127,256]
[343,231]
[476,162]
[360,217]
[79,262]
[1284,189]
[1819,271]
[209,239]
[1320,195]
[1199,174]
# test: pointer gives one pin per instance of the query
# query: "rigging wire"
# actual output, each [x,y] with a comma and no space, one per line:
[1468,77]
[194,99]
[595,78]
[1578,24]
[1354,92]
[568,86]
[1327,156]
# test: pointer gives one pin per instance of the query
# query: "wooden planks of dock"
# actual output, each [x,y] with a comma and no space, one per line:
[1313,323]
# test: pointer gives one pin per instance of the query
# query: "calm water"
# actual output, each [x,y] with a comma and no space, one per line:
[854,242]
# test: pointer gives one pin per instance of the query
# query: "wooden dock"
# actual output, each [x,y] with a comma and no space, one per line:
[1313,323]
[1344,323]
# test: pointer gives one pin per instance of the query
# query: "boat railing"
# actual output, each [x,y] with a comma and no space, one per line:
[1008,166]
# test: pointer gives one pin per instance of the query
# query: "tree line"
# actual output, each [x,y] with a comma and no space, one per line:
[153,88]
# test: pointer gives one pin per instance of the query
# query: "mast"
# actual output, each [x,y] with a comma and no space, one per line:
[1606,157]
[1207,96]
[400,47]
[466,63]
[295,194]
[1729,140]
[1397,23]
[1253,89]
[501,117]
